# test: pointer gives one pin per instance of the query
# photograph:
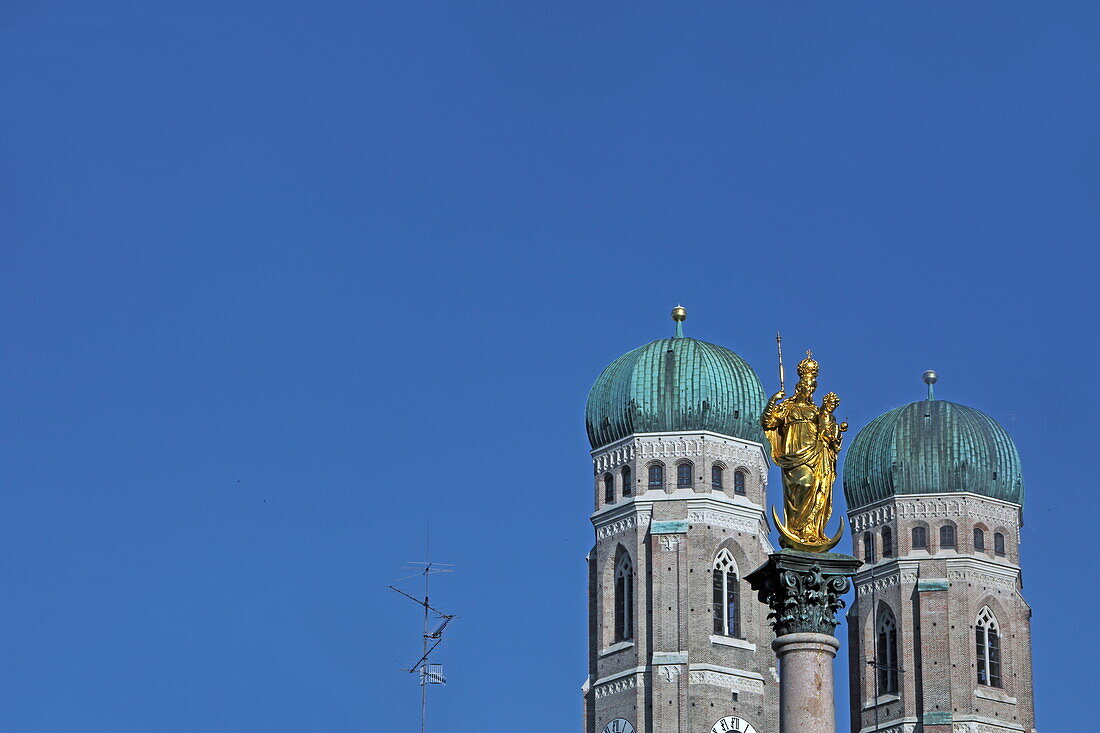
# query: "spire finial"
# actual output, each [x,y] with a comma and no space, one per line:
[930,377]
[679,314]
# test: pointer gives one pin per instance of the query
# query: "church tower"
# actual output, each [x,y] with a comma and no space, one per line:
[677,643]
[939,633]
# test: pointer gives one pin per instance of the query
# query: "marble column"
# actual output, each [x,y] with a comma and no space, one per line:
[803,590]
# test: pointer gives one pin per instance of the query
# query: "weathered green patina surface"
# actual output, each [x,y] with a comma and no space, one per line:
[930,447]
[675,384]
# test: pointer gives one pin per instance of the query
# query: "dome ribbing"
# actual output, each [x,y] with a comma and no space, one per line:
[929,447]
[675,385]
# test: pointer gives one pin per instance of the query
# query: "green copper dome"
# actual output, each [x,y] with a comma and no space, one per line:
[930,447]
[673,385]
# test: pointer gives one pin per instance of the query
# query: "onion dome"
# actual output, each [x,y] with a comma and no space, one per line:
[929,447]
[678,384]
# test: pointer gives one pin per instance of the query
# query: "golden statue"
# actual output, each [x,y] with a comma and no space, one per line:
[805,441]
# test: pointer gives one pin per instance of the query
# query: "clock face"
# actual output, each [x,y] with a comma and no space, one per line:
[618,725]
[732,723]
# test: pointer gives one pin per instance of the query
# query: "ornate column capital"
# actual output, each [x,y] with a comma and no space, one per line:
[803,589]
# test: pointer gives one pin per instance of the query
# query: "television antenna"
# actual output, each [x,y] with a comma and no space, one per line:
[435,621]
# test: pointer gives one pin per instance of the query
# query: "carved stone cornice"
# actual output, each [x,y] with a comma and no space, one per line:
[725,519]
[620,685]
[937,506]
[735,682]
[618,526]
[881,583]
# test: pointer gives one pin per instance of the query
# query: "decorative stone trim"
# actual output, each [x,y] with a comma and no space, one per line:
[987,579]
[954,506]
[872,517]
[619,685]
[882,582]
[972,726]
[726,680]
[621,525]
[722,519]
[614,457]
[650,449]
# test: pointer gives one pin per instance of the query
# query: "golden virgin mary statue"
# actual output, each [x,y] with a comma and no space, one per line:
[805,441]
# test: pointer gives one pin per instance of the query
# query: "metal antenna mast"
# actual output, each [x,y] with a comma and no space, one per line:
[430,674]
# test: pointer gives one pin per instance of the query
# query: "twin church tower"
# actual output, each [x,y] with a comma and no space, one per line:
[938,631]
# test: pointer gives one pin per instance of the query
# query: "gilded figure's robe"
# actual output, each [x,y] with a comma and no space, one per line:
[805,442]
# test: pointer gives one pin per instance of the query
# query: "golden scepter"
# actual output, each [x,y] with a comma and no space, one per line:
[779,345]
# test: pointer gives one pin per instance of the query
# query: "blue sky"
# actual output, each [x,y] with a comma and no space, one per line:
[281,281]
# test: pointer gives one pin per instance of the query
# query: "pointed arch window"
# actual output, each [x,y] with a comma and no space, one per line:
[624,597]
[683,475]
[739,482]
[868,547]
[979,540]
[716,475]
[608,488]
[999,544]
[628,487]
[887,542]
[920,538]
[947,536]
[886,652]
[656,476]
[987,641]
[726,595]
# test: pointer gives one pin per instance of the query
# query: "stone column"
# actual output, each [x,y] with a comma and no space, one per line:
[803,590]
[806,682]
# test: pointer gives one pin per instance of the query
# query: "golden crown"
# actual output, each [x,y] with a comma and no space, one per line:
[807,367]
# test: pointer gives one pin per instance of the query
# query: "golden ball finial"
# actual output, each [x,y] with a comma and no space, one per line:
[679,313]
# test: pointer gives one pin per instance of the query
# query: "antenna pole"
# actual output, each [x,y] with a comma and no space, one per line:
[430,673]
[423,682]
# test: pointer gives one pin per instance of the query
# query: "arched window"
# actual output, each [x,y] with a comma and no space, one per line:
[979,540]
[886,653]
[624,597]
[999,544]
[868,547]
[987,640]
[716,477]
[947,536]
[656,476]
[920,538]
[739,482]
[727,596]
[683,475]
[608,488]
[628,487]
[887,542]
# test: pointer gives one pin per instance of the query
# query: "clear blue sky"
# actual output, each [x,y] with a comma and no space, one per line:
[279,280]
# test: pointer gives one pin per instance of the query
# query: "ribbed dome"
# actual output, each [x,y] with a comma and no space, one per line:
[676,384]
[930,447]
